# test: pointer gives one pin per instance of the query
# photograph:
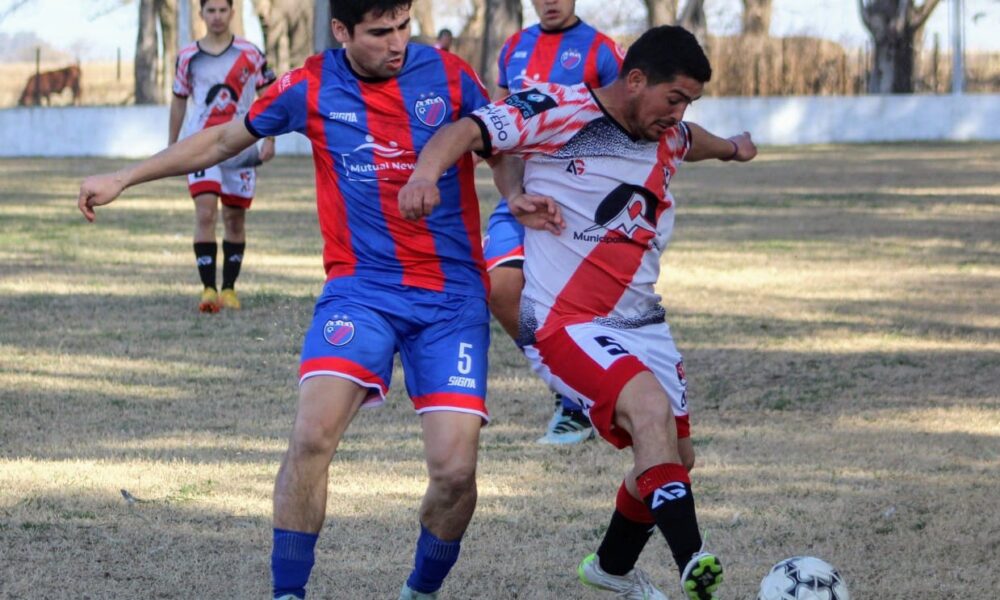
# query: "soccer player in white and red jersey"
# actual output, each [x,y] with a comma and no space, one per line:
[598,164]
[216,81]
[560,48]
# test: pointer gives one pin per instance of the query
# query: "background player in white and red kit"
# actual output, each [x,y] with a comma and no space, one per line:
[560,48]
[216,81]
[598,166]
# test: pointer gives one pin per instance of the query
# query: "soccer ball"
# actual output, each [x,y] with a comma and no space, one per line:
[803,578]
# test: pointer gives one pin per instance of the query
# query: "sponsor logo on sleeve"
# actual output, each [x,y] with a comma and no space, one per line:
[498,121]
[530,102]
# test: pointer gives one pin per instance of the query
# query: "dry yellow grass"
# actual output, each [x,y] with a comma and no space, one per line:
[101,83]
[837,306]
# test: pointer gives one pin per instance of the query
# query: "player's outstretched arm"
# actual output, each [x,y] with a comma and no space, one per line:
[420,194]
[195,153]
[705,145]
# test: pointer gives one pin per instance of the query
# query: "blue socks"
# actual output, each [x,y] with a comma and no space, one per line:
[433,559]
[292,559]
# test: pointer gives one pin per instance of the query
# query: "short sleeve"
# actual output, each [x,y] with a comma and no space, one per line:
[513,123]
[282,108]
[609,61]
[182,76]
[474,94]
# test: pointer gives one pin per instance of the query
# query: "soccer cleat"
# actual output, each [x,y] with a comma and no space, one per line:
[410,594]
[567,427]
[228,299]
[634,585]
[288,597]
[702,576]
[209,302]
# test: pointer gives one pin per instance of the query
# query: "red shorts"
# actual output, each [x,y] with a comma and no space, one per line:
[591,363]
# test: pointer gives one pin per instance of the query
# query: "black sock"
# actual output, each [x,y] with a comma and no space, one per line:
[204,253]
[666,490]
[622,544]
[232,254]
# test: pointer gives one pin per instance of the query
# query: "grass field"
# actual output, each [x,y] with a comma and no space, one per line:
[839,311]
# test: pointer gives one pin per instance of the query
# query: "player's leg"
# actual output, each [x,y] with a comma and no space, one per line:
[503,248]
[339,371]
[205,187]
[238,187]
[445,362]
[326,407]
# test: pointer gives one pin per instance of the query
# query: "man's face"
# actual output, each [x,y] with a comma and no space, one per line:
[555,14]
[653,109]
[217,15]
[444,42]
[378,46]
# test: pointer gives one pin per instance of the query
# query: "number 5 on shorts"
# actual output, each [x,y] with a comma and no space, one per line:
[464,359]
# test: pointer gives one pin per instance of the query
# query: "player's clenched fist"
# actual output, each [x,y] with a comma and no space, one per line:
[98,190]
[418,198]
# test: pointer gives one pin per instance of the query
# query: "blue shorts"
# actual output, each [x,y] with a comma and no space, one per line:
[504,241]
[443,341]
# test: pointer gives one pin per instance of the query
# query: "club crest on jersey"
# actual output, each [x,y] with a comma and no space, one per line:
[570,59]
[530,102]
[431,111]
[339,330]
[627,209]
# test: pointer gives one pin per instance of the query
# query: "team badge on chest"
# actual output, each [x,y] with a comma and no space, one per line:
[431,111]
[570,59]
[339,330]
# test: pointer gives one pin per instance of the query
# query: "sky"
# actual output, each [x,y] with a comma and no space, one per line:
[93,31]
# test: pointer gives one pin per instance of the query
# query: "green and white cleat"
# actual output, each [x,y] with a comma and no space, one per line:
[702,576]
[634,585]
[409,594]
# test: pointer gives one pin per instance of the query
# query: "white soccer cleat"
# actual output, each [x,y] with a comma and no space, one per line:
[409,594]
[633,586]
[702,576]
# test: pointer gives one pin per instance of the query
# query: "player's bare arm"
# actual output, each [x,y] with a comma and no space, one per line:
[178,108]
[199,151]
[420,194]
[706,145]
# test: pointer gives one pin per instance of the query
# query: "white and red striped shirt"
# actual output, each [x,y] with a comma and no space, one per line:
[613,193]
[220,86]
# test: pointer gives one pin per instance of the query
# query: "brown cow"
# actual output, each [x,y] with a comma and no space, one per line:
[42,85]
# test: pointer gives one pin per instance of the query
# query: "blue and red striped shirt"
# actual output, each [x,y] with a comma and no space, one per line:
[366,135]
[576,54]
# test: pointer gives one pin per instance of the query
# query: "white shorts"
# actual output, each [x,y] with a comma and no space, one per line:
[591,363]
[235,187]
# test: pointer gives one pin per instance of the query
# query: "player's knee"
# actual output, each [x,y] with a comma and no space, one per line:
[453,478]
[312,439]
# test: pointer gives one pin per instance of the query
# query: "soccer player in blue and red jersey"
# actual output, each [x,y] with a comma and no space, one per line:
[561,48]
[412,281]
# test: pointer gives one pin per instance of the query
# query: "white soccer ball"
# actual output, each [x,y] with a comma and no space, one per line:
[803,578]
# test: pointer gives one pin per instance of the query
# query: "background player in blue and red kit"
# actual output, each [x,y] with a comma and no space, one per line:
[218,77]
[561,48]
[415,282]
[592,323]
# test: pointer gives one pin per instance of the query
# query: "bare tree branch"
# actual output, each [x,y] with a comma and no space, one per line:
[923,12]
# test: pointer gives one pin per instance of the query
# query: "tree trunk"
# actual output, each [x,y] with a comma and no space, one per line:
[166,11]
[504,18]
[896,27]
[660,12]
[146,89]
[423,13]
[757,17]
[693,19]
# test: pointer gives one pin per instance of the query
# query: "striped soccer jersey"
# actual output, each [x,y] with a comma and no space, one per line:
[576,54]
[613,193]
[221,86]
[366,135]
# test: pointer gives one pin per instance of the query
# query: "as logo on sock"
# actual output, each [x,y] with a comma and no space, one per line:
[668,493]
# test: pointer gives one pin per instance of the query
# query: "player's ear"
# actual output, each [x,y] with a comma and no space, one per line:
[635,79]
[340,31]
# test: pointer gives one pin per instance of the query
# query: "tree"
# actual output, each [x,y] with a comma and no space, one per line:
[423,14]
[896,28]
[505,18]
[660,12]
[288,29]
[693,19]
[757,17]
[146,53]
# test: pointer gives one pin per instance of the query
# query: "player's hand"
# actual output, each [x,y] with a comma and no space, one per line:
[98,190]
[418,198]
[746,150]
[537,212]
[267,149]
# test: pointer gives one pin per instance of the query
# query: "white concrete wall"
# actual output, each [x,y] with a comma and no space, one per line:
[138,131]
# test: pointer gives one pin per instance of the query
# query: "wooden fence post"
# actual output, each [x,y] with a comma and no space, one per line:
[38,76]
